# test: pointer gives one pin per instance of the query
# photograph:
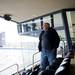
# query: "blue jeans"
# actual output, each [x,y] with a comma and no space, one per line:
[47,58]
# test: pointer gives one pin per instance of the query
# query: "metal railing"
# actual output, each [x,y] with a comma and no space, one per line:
[33,60]
[10,67]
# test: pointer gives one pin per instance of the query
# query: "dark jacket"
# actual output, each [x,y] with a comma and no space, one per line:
[53,38]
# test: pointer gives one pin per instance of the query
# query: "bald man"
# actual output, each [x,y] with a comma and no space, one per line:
[48,44]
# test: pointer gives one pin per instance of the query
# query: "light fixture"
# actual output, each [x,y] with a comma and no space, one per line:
[7,17]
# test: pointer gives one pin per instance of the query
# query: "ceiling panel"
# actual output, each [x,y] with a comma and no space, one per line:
[22,10]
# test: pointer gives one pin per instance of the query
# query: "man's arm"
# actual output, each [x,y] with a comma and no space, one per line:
[57,39]
[40,39]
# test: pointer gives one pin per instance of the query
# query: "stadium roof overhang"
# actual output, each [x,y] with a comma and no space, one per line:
[22,10]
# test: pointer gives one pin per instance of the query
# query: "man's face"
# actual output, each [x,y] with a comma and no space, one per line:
[45,26]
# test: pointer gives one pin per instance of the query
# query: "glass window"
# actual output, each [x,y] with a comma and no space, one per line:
[71,23]
[63,46]
[19,28]
[59,26]
[61,34]
[27,26]
[38,24]
[58,20]
[32,28]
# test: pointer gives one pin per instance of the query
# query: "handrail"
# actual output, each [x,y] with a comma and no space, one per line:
[33,60]
[11,66]
[28,66]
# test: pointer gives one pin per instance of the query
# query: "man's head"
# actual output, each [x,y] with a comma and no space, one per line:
[46,26]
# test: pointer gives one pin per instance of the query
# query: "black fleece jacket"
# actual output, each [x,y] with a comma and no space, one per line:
[53,38]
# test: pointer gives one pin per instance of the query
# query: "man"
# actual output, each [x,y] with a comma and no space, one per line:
[48,43]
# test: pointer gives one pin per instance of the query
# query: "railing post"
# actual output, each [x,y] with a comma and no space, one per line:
[33,60]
